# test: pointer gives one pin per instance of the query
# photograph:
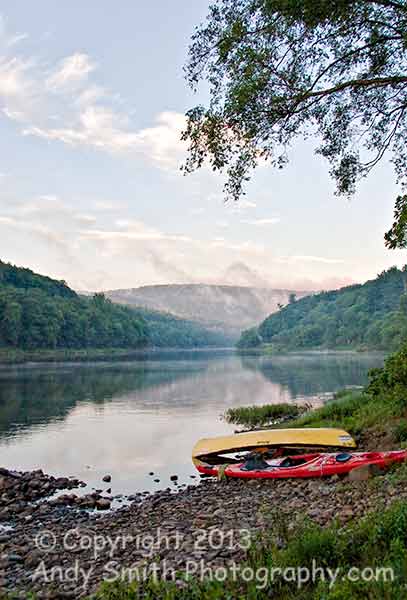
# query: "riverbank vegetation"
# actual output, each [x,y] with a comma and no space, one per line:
[38,313]
[369,316]
[261,416]
[376,415]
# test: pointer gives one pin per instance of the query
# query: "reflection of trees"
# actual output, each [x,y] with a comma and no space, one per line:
[190,381]
[29,397]
[314,373]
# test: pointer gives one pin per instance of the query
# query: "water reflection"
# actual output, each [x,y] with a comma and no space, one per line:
[130,418]
[309,374]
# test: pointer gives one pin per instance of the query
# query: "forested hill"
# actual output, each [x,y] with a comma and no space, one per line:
[40,312]
[371,316]
[19,277]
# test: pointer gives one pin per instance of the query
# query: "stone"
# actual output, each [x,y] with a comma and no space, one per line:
[103,504]
[365,472]
[14,558]
[107,478]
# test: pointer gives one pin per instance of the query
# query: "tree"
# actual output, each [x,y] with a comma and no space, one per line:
[396,237]
[10,325]
[249,338]
[280,69]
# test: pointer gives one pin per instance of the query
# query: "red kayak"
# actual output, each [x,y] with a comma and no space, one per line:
[304,465]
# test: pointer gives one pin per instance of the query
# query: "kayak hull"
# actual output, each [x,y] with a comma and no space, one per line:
[311,465]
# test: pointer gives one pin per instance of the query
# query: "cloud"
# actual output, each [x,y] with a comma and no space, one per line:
[261,222]
[71,72]
[247,204]
[313,259]
[13,82]
[103,129]
[7,40]
[16,39]
[61,103]
[95,250]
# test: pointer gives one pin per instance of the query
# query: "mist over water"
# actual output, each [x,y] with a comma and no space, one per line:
[131,418]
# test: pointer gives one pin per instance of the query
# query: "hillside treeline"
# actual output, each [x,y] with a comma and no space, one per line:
[39,312]
[371,316]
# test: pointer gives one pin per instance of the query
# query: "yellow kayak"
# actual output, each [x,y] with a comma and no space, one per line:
[323,437]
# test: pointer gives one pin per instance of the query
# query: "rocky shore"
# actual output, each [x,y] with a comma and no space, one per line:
[66,546]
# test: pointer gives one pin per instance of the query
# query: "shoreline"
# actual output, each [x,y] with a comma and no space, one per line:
[20,357]
[59,356]
[35,534]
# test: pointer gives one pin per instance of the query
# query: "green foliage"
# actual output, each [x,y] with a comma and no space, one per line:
[372,315]
[167,331]
[282,69]
[380,407]
[400,432]
[257,416]
[37,312]
[31,318]
[393,377]
[396,237]
[26,279]
[249,339]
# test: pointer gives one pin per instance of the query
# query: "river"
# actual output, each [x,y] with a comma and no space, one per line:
[128,419]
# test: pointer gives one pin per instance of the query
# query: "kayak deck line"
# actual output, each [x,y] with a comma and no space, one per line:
[303,465]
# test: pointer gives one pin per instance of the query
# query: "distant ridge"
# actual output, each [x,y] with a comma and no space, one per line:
[229,308]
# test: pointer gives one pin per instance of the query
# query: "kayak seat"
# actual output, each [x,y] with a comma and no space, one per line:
[292,462]
[343,457]
[255,463]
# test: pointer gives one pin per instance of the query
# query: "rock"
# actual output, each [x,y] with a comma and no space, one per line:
[174,478]
[156,480]
[14,558]
[366,472]
[314,512]
[107,478]
[33,559]
[103,504]
[151,473]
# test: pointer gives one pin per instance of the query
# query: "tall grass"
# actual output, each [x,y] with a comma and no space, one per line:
[259,416]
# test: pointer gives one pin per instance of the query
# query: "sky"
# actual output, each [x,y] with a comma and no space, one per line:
[92,103]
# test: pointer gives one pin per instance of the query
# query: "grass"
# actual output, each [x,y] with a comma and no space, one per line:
[368,546]
[260,416]
[363,415]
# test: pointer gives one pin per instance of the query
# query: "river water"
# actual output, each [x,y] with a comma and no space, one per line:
[128,419]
